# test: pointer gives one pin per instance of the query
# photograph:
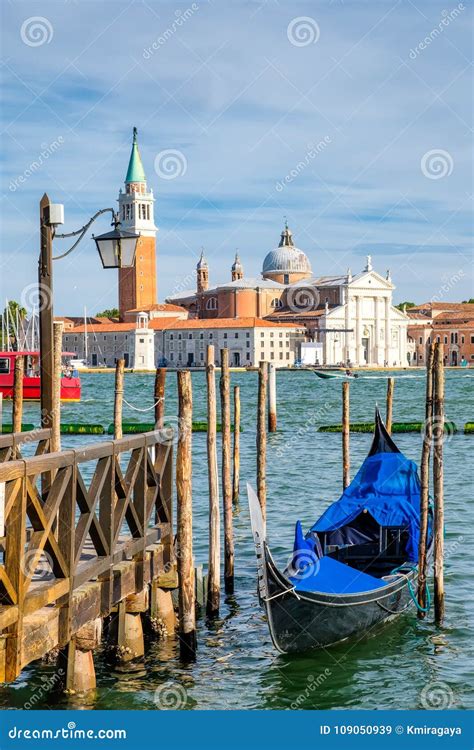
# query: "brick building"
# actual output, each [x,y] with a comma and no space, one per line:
[450,323]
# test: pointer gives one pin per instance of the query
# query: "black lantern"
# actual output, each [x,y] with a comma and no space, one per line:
[117,248]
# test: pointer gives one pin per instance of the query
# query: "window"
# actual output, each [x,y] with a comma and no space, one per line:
[262,335]
[247,335]
[142,341]
[248,356]
[445,339]
[211,335]
[428,340]
[148,211]
[179,337]
[462,339]
[225,335]
[201,356]
[248,344]
[276,303]
[171,337]
[271,334]
[190,335]
[286,278]
[280,335]
[211,303]
[288,355]
[281,355]
[236,336]
[4,365]
[281,343]
[438,339]
[272,343]
[171,356]
[421,339]
[472,339]
[201,336]
[272,355]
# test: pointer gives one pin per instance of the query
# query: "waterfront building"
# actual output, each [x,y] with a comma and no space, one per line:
[448,323]
[352,317]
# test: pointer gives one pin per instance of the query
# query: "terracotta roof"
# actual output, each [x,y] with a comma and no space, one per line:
[163,306]
[230,323]
[105,327]
[444,306]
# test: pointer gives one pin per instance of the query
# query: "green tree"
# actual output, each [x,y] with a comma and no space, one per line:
[11,313]
[401,305]
[112,313]
[468,301]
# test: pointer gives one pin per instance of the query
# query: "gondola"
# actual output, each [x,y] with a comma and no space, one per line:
[356,567]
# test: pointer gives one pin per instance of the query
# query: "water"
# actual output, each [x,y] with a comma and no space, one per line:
[407,665]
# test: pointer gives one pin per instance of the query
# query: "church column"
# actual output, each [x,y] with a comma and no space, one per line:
[388,331]
[347,325]
[358,347]
[377,330]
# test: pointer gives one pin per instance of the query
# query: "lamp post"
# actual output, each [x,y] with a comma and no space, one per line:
[116,250]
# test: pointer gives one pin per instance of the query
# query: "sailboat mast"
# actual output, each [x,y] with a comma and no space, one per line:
[85,336]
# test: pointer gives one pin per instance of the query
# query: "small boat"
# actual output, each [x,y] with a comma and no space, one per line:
[327,374]
[70,381]
[356,567]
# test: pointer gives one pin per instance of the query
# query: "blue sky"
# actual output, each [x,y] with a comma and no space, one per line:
[244,91]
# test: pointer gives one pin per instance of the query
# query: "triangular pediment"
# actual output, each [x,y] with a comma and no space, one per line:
[369,280]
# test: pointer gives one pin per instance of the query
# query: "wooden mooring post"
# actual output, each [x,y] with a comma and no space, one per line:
[272,398]
[438,490]
[118,400]
[18,376]
[425,483]
[214,566]
[236,450]
[159,396]
[389,409]
[262,437]
[226,473]
[186,596]
[346,420]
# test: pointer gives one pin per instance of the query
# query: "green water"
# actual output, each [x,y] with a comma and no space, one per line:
[408,664]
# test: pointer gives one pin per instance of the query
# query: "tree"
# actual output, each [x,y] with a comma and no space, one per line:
[401,305]
[468,301]
[12,314]
[112,313]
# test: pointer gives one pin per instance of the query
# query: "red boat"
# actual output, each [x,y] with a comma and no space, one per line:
[70,381]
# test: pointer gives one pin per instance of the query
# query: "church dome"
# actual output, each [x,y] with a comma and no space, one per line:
[286,258]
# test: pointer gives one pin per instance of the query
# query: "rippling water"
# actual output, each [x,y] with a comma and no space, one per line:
[407,664]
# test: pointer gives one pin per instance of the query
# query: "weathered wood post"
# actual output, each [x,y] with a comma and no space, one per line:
[46,315]
[1,413]
[18,394]
[226,476]
[214,567]
[118,402]
[236,456]
[389,410]
[187,601]
[425,482]
[58,326]
[346,423]
[262,437]
[272,399]
[438,492]
[160,381]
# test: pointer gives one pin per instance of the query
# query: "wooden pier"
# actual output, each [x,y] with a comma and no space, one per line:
[75,550]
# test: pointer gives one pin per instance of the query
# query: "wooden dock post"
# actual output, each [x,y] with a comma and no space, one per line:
[1,413]
[272,399]
[425,483]
[214,567]
[160,381]
[236,456]
[187,599]
[389,410]
[262,437]
[438,492]
[18,394]
[118,402]
[346,423]
[226,476]
[58,326]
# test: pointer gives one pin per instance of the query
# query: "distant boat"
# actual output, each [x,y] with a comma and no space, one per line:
[70,382]
[328,374]
[357,565]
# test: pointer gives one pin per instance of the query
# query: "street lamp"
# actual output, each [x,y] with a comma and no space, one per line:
[116,250]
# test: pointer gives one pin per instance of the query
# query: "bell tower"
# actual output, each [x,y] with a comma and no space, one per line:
[137,285]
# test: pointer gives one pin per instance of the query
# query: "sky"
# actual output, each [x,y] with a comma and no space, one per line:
[352,120]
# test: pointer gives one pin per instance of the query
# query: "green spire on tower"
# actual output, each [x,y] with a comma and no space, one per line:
[135,171]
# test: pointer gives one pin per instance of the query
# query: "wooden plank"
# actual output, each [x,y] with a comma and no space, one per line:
[15,533]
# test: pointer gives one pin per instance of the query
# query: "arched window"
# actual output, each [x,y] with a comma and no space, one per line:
[276,303]
[211,303]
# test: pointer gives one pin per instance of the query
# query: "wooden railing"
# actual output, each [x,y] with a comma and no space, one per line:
[93,514]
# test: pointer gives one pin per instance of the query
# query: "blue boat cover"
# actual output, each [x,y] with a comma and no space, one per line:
[387,487]
[332,577]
